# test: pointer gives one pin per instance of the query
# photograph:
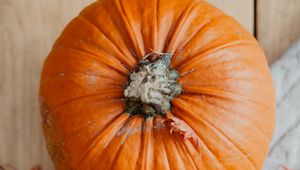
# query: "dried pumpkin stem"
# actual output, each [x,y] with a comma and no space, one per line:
[150,90]
[152,86]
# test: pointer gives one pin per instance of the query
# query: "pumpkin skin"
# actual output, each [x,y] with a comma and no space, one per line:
[227,99]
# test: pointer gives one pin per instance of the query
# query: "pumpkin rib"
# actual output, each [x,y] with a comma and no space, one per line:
[66,74]
[101,98]
[68,60]
[179,27]
[111,129]
[209,149]
[69,89]
[210,152]
[108,92]
[68,142]
[201,145]
[116,52]
[142,23]
[254,124]
[176,153]
[146,151]
[220,94]
[160,148]
[239,67]
[69,137]
[212,126]
[115,155]
[65,147]
[129,148]
[198,30]
[99,59]
[236,72]
[262,136]
[70,40]
[190,50]
[217,132]
[257,127]
[129,29]
[179,143]
[178,50]
[156,25]
[116,145]
[200,56]
[229,78]
[175,158]
[217,17]
[187,145]
[200,69]
[160,42]
[131,60]
[122,69]
[201,25]
[172,29]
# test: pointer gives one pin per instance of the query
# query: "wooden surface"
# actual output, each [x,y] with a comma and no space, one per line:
[28,29]
[278,25]
[241,10]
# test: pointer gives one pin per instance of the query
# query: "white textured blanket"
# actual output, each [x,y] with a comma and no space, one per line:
[285,148]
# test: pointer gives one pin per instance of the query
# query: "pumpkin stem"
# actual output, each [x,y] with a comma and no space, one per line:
[152,86]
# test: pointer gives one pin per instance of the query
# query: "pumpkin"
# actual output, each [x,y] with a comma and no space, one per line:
[156,84]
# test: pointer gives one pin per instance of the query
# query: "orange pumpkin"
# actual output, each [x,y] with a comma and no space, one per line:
[221,116]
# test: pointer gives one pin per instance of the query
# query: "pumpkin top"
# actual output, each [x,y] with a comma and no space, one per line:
[222,119]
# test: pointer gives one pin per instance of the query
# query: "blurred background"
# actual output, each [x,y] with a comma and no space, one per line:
[28,29]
